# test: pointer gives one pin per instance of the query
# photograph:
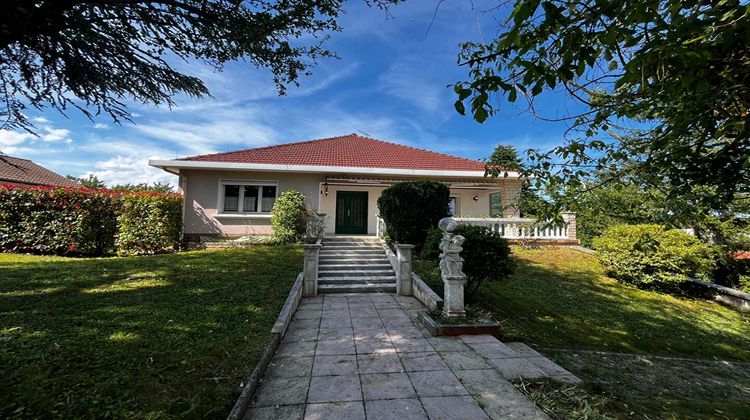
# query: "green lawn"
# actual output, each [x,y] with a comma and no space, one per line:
[652,354]
[559,297]
[147,337]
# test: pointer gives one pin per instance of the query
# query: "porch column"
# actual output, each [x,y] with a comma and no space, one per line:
[569,218]
[310,270]
[403,276]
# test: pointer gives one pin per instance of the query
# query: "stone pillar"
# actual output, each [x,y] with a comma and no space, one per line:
[453,293]
[403,276]
[310,271]
[569,218]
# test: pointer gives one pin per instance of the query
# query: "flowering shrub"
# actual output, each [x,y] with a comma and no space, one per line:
[64,220]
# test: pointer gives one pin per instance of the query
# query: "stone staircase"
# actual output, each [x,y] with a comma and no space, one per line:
[354,265]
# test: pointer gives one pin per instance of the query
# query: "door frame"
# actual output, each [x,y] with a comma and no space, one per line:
[338,227]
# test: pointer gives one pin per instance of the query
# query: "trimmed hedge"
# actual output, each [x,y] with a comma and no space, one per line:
[148,223]
[410,209]
[81,221]
[650,255]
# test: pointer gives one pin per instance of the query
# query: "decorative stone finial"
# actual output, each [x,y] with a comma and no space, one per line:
[447,224]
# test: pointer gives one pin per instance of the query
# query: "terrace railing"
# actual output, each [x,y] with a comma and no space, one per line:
[515,228]
[526,229]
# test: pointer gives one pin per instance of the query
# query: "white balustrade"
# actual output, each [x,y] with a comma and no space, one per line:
[520,228]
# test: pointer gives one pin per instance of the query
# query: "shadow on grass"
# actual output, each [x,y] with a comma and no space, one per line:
[167,335]
[559,297]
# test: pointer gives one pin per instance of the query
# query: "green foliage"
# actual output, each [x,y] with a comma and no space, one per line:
[159,337]
[486,256]
[57,220]
[410,209]
[559,297]
[159,187]
[664,89]
[289,217]
[81,221]
[138,40]
[149,223]
[89,182]
[431,248]
[503,159]
[650,255]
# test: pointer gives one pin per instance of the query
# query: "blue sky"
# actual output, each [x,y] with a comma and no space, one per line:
[390,83]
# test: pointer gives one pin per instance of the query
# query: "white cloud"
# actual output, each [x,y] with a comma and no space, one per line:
[130,169]
[56,134]
[46,134]
[12,138]
[41,120]
[101,126]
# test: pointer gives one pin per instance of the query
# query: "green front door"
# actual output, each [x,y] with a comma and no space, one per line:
[351,212]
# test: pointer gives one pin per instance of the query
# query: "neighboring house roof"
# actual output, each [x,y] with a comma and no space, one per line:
[23,171]
[349,153]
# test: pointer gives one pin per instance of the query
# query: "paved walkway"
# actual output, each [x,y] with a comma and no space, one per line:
[362,356]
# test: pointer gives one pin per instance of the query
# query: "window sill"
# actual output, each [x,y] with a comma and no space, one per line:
[243,216]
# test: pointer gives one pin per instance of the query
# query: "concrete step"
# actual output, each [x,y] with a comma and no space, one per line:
[351,253]
[363,243]
[351,248]
[356,288]
[360,276]
[351,266]
[355,273]
[339,280]
[354,261]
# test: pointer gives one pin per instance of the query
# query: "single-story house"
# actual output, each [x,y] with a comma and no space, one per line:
[231,194]
[17,171]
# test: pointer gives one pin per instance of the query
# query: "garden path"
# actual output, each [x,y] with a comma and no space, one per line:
[363,356]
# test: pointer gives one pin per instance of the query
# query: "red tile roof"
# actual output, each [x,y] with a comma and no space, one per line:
[351,150]
[15,170]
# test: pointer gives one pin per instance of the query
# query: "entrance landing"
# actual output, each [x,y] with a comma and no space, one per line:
[363,356]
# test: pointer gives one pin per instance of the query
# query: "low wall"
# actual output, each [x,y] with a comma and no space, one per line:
[424,294]
[725,295]
[277,333]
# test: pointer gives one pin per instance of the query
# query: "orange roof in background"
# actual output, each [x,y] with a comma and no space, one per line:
[742,255]
[23,171]
[351,150]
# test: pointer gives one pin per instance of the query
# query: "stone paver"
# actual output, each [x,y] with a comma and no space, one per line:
[365,356]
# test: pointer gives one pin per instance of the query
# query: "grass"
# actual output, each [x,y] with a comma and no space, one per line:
[559,297]
[145,337]
[643,353]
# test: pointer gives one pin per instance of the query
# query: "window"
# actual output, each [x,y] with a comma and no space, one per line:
[453,206]
[496,205]
[240,197]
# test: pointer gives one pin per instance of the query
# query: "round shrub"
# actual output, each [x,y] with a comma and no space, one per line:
[410,209]
[289,217]
[650,255]
[486,254]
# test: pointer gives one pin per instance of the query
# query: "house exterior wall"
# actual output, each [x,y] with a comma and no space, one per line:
[201,189]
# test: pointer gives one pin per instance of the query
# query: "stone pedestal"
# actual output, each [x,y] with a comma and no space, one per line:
[310,271]
[403,274]
[453,297]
